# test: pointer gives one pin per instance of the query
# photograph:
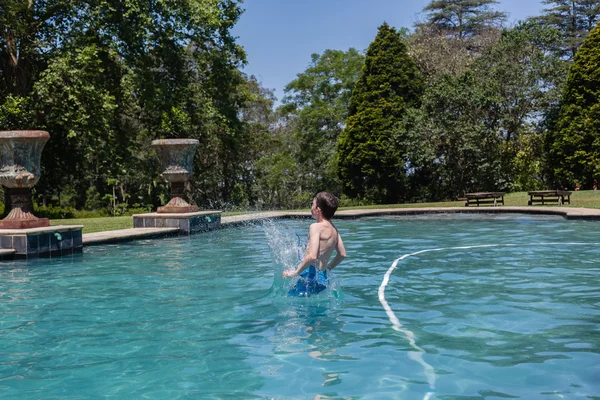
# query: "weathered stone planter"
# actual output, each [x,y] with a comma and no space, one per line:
[176,156]
[20,154]
[22,234]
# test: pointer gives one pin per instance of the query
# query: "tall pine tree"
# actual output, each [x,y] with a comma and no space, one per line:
[370,166]
[574,18]
[574,140]
[463,18]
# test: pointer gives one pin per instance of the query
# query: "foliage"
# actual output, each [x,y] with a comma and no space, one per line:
[107,77]
[480,130]
[574,18]
[462,19]
[53,212]
[437,54]
[316,105]
[573,141]
[92,199]
[528,162]
[479,108]
[259,121]
[369,165]
[453,151]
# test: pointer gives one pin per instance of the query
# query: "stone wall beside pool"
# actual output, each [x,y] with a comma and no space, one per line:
[185,222]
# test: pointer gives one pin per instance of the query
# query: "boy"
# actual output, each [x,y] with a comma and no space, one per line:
[323,238]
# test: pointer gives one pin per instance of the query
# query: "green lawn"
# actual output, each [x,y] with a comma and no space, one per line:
[97,224]
[584,198]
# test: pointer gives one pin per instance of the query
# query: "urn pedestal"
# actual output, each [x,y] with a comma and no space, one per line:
[22,234]
[176,156]
[20,154]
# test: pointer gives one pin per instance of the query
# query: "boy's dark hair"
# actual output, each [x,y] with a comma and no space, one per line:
[328,204]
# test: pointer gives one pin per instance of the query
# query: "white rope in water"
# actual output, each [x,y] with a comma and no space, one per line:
[397,326]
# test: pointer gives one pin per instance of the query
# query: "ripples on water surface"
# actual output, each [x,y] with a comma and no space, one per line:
[198,317]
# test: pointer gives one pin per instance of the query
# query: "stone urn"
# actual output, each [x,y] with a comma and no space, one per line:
[176,156]
[20,154]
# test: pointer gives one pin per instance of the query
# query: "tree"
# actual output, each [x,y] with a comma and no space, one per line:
[107,77]
[573,140]
[463,19]
[574,18]
[452,150]
[369,166]
[259,119]
[523,76]
[479,130]
[437,54]
[317,102]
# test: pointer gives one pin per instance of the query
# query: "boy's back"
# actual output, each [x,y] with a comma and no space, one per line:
[323,237]
[328,240]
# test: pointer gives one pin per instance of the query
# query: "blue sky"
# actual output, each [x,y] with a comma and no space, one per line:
[280,35]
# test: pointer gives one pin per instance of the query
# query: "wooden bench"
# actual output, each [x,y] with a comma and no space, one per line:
[549,196]
[484,198]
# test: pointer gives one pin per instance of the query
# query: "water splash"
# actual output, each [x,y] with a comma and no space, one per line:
[283,244]
[287,247]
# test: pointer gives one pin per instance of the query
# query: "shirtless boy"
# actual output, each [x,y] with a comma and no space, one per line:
[323,239]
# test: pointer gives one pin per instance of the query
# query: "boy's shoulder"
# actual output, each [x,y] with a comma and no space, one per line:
[317,226]
[320,226]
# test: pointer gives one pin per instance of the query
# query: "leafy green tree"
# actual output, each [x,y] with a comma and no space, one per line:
[453,150]
[574,18]
[369,165]
[463,18]
[573,141]
[107,77]
[480,130]
[258,141]
[317,102]
[523,75]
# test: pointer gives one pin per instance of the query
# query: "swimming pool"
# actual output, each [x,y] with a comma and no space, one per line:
[204,317]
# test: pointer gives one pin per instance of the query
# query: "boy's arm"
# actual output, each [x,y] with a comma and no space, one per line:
[311,254]
[340,254]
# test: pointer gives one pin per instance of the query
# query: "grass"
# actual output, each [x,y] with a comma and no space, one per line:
[584,198]
[580,199]
[91,225]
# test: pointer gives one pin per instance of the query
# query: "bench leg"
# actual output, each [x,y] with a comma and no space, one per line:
[560,200]
[495,203]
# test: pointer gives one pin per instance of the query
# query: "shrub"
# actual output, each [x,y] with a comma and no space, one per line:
[53,212]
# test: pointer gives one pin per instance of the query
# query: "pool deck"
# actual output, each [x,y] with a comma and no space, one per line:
[123,235]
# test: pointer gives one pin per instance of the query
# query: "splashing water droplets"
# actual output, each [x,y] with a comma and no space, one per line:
[283,243]
[287,249]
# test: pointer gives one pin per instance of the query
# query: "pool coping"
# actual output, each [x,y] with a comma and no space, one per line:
[123,235]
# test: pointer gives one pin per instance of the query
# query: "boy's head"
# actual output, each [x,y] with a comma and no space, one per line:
[328,204]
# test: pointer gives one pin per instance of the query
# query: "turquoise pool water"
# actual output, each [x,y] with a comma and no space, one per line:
[206,316]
